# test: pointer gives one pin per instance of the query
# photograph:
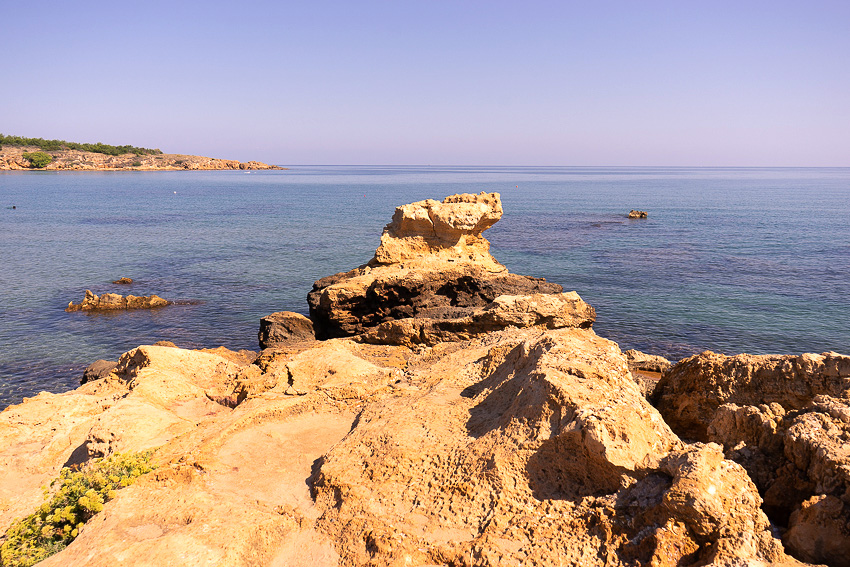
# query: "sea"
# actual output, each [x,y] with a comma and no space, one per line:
[732,260]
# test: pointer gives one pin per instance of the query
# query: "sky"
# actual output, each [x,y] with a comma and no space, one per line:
[591,83]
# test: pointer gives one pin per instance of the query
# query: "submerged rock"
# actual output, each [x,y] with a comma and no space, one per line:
[113,301]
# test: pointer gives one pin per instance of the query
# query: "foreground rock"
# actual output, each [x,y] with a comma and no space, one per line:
[786,419]
[11,158]
[526,445]
[113,301]
[433,270]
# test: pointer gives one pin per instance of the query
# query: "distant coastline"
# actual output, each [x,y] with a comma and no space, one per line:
[12,159]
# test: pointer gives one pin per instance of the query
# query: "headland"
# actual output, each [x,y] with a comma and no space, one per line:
[60,157]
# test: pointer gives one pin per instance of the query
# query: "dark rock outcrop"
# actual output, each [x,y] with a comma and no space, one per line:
[97,370]
[284,327]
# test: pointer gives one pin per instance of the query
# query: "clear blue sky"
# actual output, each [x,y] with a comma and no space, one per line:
[438,82]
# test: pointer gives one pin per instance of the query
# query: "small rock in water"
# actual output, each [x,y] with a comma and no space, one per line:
[123,281]
[113,301]
[635,214]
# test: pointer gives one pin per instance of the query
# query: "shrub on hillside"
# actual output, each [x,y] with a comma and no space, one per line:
[37,160]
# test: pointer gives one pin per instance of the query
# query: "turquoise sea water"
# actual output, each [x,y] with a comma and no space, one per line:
[732,260]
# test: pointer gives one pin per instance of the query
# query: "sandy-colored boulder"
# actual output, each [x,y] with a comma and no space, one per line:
[114,301]
[785,419]
[694,388]
[450,230]
[642,361]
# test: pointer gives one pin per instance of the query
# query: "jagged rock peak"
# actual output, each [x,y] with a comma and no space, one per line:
[450,229]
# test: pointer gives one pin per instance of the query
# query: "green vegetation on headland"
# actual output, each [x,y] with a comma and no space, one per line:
[53,145]
[37,159]
[81,494]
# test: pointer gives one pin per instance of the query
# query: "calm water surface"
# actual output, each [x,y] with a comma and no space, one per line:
[732,260]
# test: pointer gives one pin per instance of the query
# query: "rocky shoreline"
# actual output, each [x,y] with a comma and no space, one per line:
[436,409]
[11,159]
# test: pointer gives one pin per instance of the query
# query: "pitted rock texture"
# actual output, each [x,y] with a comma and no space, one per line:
[523,446]
[114,301]
[451,229]
[532,447]
[786,419]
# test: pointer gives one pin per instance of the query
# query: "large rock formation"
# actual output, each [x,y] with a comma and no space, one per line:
[434,266]
[786,419]
[114,301]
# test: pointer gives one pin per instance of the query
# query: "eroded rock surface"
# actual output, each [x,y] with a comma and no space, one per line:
[786,419]
[114,301]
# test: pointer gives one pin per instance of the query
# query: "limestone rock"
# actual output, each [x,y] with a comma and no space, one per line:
[786,420]
[541,451]
[283,327]
[524,444]
[820,530]
[692,390]
[113,301]
[635,214]
[451,229]
[97,370]
[123,281]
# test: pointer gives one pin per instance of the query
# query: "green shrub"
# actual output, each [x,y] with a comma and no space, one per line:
[136,163]
[37,159]
[80,494]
